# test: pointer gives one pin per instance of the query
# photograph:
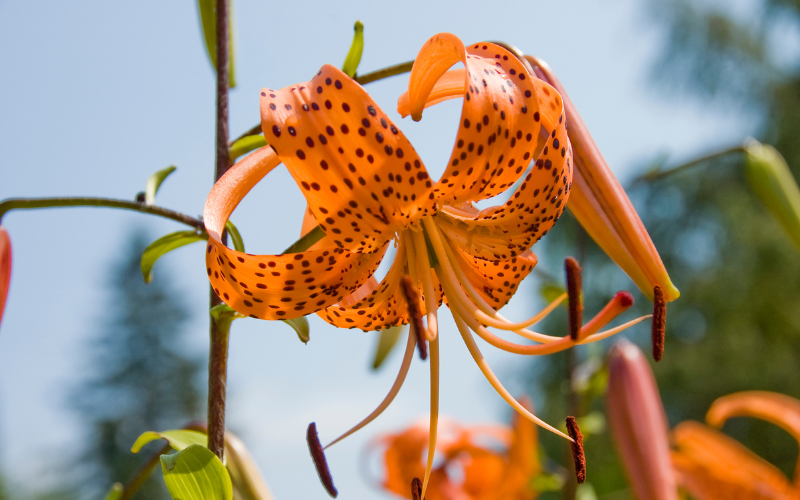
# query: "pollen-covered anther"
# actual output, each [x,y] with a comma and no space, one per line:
[415,315]
[318,455]
[659,322]
[577,449]
[574,285]
[416,489]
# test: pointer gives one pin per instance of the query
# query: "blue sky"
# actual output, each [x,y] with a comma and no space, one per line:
[97,95]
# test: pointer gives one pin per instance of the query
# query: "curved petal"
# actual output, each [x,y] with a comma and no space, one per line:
[495,280]
[274,286]
[499,125]
[712,466]
[506,231]
[376,306]
[361,177]
[602,207]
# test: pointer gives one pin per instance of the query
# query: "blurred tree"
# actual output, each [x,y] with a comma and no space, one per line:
[736,325]
[139,377]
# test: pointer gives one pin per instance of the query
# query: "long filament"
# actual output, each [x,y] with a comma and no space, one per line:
[398,383]
[434,416]
[424,268]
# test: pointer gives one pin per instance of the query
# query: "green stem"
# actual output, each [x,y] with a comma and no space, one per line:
[32,203]
[374,76]
[660,174]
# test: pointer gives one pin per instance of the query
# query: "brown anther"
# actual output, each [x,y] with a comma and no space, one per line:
[415,315]
[318,455]
[574,284]
[659,322]
[577,449]
[416,489]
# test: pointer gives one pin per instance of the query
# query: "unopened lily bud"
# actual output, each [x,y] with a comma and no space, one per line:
[772,181]
[638,424]
[5,268]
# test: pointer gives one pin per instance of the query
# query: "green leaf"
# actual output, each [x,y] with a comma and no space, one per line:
[196,474]
[236,237]
[115,492]
[387,339]
[164,245]
[208,20]
[551,291]
[353,58]
[154,182]
[585,491]
[306,241]
[245,145]
[301,327]
[179,439]
[224,315]
[772,181]
[547,482]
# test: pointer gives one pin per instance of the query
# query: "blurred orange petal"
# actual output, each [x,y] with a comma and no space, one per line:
[5,268]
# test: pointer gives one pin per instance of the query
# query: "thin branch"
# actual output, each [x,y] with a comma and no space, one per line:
[33,203]
[660,174]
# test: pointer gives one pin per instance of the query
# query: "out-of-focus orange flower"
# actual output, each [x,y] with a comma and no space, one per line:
[712,466]
[5,268]
[478,463]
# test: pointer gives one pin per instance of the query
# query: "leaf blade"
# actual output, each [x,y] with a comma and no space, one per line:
[179,439]
[195,473]
[353,58]
[387,340]
[301,328]
[163,246]
[154,182]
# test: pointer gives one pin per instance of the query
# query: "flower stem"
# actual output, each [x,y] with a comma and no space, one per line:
[218,349]
[31,203]
[659,174]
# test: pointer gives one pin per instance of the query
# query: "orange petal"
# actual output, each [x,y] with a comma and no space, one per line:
[499,115]
[361,177]
[602,207]
[5,268]
[712,466]
[376,306]
[638,423]
[274,286]
[499,233]
[495,280]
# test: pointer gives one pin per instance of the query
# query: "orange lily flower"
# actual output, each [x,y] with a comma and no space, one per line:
[366,187]
[712,466]
[487,472]
[5,268]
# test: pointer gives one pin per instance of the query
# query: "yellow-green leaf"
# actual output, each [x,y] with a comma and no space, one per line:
[236,237]
[179,439]
[353,58]
[306,241]
[245,145]
[208,21]
[164,245]
[154,182]
[115,492]
[301,327]
[196,474]
[387,339]
[772,181]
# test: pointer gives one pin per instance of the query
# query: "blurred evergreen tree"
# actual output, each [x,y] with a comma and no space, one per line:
[736,325]
[139,378]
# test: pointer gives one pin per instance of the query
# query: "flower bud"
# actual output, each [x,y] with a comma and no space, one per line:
[5,268]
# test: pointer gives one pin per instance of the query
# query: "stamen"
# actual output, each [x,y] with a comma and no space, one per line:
[616,306]
[434,417]
[574,285]
[318,455]
[659,322]
[424,268]
[398,383]
[416,489]
[415,315]
[577,449]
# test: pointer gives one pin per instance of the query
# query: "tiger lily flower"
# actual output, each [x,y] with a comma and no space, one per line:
[366,187]
[488,471]
[712,466]
[5,268]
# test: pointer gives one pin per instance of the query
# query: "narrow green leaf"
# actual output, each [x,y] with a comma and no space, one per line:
[387,339]
[208,21]
[179,439]
[245,145]
[115,492]
[164,245]
[353,58]
[301,327]
[772,181]
[154,182]
[196,474]
[306,241]
[236,237]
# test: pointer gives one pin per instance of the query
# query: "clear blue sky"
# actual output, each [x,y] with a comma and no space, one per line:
[97,95]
